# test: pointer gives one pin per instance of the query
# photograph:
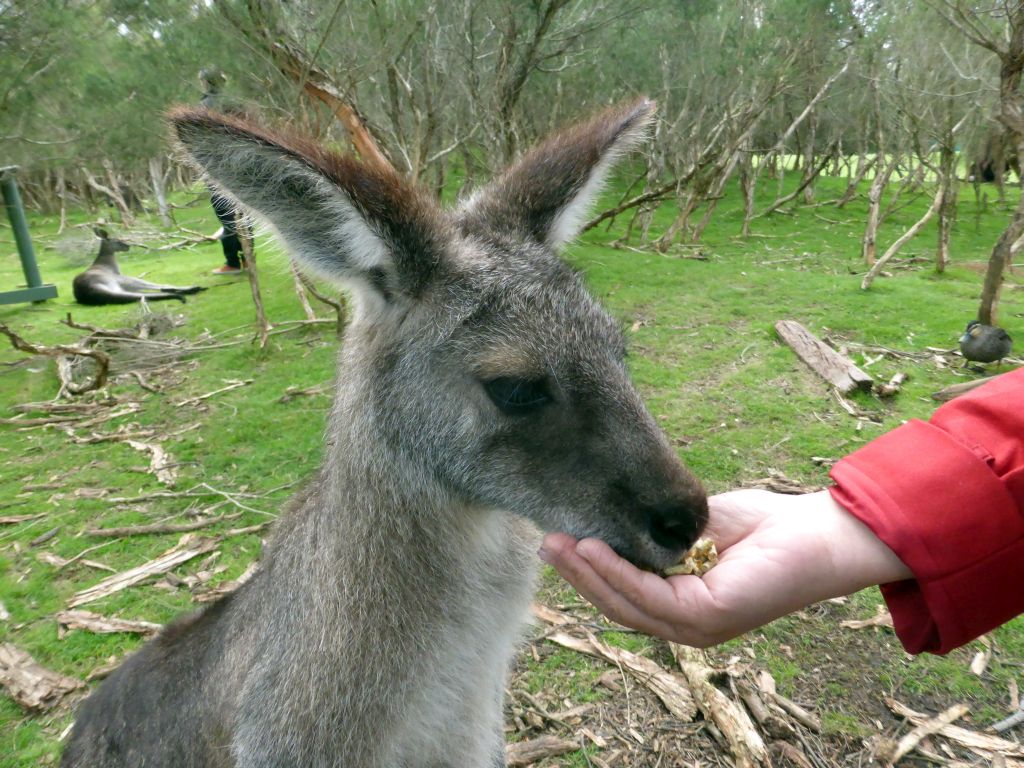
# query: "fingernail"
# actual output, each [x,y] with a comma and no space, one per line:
[545,555]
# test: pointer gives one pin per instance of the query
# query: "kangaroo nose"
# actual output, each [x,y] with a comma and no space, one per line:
[676,525]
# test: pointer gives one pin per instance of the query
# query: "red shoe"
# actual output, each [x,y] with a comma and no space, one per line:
[224,269]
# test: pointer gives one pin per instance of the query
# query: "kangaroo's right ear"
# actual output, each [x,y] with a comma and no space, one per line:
[342,219]
[100,233]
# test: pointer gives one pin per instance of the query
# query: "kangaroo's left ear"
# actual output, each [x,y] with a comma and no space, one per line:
[546,195]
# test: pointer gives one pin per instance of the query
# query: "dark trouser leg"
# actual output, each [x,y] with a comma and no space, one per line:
[229,240]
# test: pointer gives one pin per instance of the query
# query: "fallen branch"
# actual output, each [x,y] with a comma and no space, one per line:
[33,687]
[985,744]
[143,530]
[882,618]
[893,753]
[232,384]
[61,350]
[94,622]
[186,549]
[666,685]
[160,463]
[833,367]
[893,386]
[523,753]
[745,743]
[955,390]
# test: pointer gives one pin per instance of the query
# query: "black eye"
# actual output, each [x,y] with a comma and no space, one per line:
[517,397]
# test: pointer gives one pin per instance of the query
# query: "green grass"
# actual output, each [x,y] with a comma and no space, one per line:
[703,353]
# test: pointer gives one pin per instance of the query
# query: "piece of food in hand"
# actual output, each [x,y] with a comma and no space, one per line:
[701,558]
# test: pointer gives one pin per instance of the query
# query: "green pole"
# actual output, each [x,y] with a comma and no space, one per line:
[16,215]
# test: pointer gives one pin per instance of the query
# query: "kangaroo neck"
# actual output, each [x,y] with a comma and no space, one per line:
[106,259]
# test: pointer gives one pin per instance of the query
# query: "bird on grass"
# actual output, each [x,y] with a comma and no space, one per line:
[984,343]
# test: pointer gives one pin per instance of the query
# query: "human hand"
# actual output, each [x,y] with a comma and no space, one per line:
[777,553]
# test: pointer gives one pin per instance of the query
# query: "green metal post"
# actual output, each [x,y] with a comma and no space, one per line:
[36,290]
[16,215]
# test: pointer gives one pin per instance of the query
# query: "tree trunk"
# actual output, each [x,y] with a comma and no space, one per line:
[62,196]
[870,248]
[903,240]
[263,326]
[156,176]
[947,211]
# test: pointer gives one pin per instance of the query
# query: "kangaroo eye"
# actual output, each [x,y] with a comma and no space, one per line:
[517,397]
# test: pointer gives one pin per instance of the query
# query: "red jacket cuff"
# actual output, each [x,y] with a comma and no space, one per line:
[938,504]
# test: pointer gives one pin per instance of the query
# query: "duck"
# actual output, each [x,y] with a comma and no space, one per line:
[984,343]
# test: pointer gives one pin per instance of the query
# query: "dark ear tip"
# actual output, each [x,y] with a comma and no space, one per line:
[100,233]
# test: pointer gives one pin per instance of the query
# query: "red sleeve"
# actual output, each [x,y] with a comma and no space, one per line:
[947,496]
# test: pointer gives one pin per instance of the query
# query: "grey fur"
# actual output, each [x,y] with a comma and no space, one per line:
[379,627]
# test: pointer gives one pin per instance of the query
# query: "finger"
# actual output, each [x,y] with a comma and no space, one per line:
[682,603]
[560,551]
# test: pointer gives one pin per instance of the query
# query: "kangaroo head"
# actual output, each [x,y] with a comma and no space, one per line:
[107,244]
[475,354]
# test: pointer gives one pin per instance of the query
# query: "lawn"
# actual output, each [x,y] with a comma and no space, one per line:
[703,352]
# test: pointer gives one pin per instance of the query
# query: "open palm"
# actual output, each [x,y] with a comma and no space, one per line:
[777,553]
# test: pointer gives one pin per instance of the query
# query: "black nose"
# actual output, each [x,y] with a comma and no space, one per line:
[675,525]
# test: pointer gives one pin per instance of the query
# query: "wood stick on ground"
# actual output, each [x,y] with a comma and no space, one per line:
[896,752]
[62,350]
[160,462]
[981,659]
[792,753]
[142,530]
[186,549]
[338,304]
[33,687]
[1013,720]
[94,622]
[893,386]
[983,743]
[745,743]
[523,753]
[231,384]
[955,390]
[771,723]
[834,368]
[882,618]
[666,685]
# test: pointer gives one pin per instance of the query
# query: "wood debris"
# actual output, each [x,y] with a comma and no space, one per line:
[745,743]
[955,390]
[778,482]
[1013,720]
[156,528]
[62,352]
[981,659]
[160,463]
[94,622]
[231,384]
[882,618]
[532,751]
[211,594]
[892,753]
[893,386]
[833,367]
[186,549]
[983,744]
[292,393]
[15,519]
[667,686]
[33,687]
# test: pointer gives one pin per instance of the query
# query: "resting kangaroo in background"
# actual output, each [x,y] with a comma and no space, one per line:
[479,387]
[103,283]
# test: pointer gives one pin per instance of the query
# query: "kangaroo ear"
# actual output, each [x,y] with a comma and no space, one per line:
[344,220]
[100,233]
[547,194]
